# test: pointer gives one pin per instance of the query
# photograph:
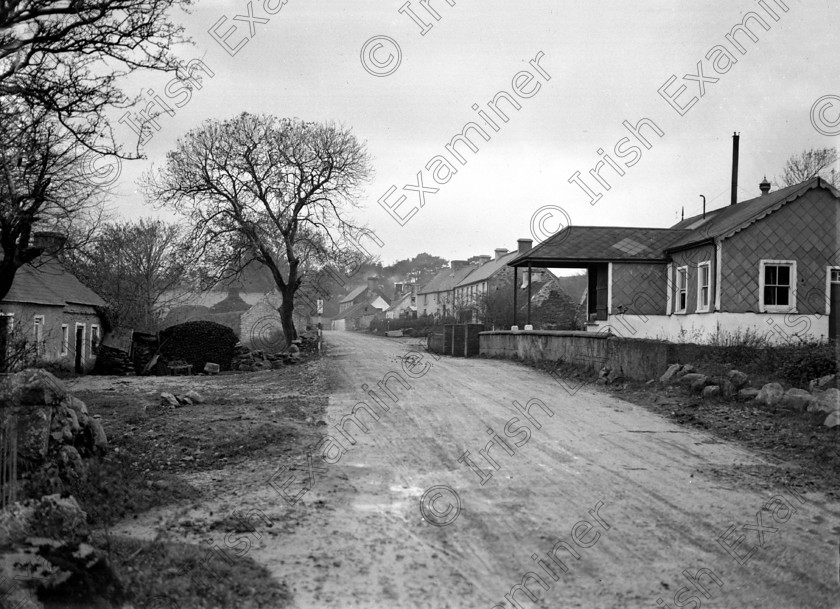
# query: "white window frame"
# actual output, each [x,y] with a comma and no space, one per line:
[38,323]
[678,290]
[65,339]
[701,308]
[789,308]
[76,326]
[98,337]
[828,283]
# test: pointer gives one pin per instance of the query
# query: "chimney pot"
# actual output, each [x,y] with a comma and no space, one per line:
[764,187]
[372,281]
[524,245]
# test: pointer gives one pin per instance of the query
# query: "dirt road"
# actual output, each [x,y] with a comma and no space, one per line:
[624,499]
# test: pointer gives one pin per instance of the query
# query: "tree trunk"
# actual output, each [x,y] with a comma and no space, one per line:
[286,314]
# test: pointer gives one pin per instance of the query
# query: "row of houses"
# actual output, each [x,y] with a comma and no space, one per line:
[460,290]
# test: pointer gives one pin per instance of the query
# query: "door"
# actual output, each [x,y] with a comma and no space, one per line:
[4,342]
[834,305]
[80,347]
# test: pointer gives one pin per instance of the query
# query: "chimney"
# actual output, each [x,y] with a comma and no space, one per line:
[398,290]
[735,142]
[458,264]
[524,245]
[49,242]
[765,187]
[500,251]
[482,259]
[372,281]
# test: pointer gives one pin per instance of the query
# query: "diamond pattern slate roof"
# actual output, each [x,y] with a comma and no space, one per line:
[727,221]
[603,243]
[49,283]
[582,244]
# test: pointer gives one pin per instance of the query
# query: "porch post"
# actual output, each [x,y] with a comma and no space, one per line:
[529,294]
[515,269]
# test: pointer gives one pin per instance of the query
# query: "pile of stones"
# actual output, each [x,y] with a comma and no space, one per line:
[822,396]
[246,360]
[52,424]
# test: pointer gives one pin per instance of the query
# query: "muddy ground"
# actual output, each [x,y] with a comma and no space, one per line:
[671,476]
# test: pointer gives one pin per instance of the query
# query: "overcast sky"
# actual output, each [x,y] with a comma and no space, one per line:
[602,63]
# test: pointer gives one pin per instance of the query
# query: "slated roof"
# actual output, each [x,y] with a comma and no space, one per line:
[602,244]
[398,301]
[725,222]
[352,295]
[49,283]
[488,269]
[447,279]
[356,310]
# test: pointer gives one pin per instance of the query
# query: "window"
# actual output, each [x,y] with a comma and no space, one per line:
[776,282]
[835,275]
[39,335]
[704,272]
[94,338]
[682,289]
[65,339]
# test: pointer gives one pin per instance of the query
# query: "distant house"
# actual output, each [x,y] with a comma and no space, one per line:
[436,297]
[53,311]
[492,275]
[404,303]
[360,306]
[768,266]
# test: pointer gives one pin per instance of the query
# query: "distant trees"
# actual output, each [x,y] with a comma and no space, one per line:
[258,189]
[808,164]
[418,269]
[134,266]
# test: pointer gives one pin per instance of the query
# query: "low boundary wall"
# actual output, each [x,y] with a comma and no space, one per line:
[634,358]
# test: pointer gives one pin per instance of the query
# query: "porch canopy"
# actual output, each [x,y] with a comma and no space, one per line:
[593,248]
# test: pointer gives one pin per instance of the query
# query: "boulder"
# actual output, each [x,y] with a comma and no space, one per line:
[100,440]
[771,394]
[51,516]
[77,406]
[727,388]
[711,392]
[822,382]
[687,369]
[832,420]
[797,399]
[825,401]
[670,373]
[167,399]
[194,397]
[40,387]
[211,368]
[71,461]
[698,385]
[33,433]
[748,393]
[687,380]
[738,379]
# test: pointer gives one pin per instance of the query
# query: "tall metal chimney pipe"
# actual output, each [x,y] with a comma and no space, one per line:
[735,141]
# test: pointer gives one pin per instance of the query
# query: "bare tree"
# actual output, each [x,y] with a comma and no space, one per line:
[134,266]
[808,164]
[41,185]
[257,189]
[68,56]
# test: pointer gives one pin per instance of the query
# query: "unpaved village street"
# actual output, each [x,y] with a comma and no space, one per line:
[655,512]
